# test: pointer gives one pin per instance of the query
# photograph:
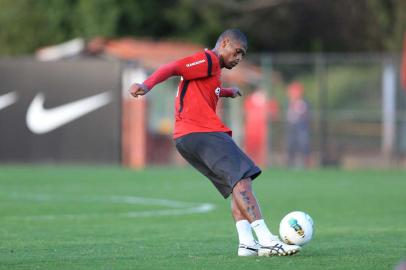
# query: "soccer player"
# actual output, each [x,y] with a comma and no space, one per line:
[206,143]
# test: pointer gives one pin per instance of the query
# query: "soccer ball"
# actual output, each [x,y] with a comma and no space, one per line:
[296,228]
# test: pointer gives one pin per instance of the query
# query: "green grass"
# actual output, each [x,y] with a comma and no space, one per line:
[63,218]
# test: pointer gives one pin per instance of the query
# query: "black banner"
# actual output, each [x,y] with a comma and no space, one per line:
[66,111]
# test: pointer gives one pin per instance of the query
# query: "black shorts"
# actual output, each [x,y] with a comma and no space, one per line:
[216,156]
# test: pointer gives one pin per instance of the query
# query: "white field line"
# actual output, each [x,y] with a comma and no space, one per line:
[175,207]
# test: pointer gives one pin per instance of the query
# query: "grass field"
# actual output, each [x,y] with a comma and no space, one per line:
[112,218]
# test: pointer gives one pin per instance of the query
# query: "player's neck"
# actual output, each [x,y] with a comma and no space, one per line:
[216,52]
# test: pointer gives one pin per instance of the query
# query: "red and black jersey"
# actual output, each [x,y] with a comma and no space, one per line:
[198,93]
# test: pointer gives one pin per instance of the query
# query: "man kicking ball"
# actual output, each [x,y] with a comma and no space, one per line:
[206,143]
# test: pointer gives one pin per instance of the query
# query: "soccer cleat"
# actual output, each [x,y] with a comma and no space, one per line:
[278,248]
[245,251]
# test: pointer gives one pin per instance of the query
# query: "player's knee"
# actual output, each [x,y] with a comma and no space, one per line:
[243,184]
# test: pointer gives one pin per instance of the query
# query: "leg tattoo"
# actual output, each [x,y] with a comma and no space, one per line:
[245,201]
[249,205]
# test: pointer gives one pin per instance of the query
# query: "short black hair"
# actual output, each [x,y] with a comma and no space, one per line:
[234,34]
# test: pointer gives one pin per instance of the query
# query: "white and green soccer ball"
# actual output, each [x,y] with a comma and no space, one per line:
[296,228]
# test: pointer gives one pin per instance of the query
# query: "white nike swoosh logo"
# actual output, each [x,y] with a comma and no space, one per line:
[40,120]
[7,99]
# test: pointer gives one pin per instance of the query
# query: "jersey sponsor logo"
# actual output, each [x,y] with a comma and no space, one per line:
[40,120]
[217,91]
[195,63]
[8,99]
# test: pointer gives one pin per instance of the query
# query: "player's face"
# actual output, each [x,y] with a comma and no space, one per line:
[233,52]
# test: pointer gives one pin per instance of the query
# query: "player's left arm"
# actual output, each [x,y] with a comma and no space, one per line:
[230,92]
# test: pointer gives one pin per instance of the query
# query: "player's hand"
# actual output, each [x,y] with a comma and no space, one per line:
[231,92]
[235,92]
[138,89]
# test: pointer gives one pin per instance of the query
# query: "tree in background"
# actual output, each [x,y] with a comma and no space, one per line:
[273,25]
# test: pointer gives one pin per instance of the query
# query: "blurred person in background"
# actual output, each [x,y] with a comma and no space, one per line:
[298,127]
[206,143]
[259,109]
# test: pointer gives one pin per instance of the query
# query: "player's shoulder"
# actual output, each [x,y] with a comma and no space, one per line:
[213,61]
[195,59]
[205,54]
[201,64]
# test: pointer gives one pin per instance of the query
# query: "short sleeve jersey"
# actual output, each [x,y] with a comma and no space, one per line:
[198,94]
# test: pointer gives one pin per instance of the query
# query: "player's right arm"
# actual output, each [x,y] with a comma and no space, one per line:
[160,75]
[190,68]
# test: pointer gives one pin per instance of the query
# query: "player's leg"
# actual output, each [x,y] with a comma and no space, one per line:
[247,244]
[245,200]
[190,148]
[246,205]
[235,211]
[217,157]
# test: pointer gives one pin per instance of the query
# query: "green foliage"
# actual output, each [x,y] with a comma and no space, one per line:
[25,26]
[95,18]
[347,25]
[390,26]
[145,18]
[197,21]
[353,86]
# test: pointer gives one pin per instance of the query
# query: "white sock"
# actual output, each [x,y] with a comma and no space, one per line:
[245,235]
[265,237]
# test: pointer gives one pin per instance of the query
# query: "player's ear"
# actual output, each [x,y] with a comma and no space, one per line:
[225,42]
